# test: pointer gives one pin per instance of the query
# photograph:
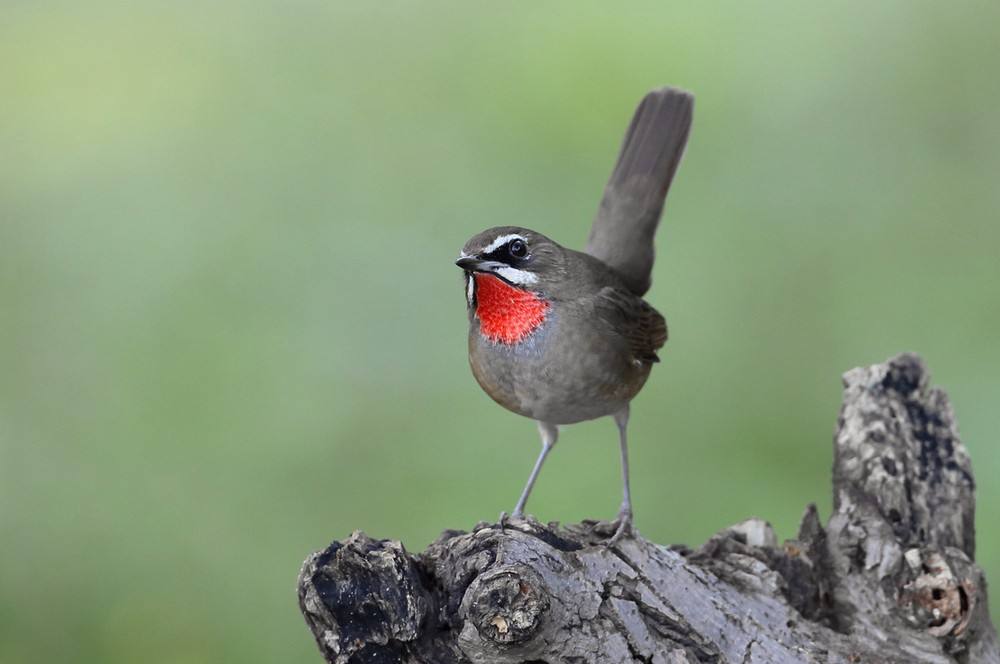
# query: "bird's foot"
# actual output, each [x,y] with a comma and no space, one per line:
[505,518]
[623,526]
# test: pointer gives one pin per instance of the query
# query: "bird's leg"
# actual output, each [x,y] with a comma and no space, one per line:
[624,519]
[549,433]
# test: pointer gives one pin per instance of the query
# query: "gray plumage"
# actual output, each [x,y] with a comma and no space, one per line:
[592,350]
[622,233]
[590,356]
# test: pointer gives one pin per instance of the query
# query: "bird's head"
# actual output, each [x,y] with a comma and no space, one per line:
[520,257]
[510,273]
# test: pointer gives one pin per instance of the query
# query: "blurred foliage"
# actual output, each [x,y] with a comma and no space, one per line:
[231,327]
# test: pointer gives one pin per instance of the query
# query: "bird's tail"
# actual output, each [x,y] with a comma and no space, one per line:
[622,234]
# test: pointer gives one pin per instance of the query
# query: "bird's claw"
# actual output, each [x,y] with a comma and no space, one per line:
[623,527]
[505,518]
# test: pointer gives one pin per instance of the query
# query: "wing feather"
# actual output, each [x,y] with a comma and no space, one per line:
[636,320]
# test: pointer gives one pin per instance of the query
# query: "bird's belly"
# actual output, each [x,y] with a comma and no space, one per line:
[558,374]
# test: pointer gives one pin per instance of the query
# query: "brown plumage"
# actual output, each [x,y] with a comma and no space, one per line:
[622,233]
[562,336]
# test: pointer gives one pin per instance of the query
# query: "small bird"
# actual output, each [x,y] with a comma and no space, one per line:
[563,336]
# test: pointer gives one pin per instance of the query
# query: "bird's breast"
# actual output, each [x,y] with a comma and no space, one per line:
[506,314]
[567,370]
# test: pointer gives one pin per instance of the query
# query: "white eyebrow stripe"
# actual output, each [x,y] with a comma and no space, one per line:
[500,241]
[515,276]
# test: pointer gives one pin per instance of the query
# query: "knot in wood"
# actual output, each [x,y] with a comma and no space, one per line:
[507,605]
[936,598]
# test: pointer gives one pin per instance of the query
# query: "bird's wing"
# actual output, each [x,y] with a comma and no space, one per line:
[622,234]
[633,318]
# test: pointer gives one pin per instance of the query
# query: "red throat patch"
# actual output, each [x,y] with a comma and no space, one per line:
[506,314]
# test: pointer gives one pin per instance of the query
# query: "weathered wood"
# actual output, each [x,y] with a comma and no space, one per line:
[890,579]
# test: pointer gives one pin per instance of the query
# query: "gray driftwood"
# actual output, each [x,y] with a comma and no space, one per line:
[890,578]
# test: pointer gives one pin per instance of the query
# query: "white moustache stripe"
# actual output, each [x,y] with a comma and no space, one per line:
[515,276]
[500,241]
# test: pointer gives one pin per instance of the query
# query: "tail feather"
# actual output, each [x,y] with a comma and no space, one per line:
[622,234]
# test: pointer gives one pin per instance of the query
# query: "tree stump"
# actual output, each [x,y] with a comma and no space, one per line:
[890,579]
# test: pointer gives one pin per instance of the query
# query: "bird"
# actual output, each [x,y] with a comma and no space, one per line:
[563,336]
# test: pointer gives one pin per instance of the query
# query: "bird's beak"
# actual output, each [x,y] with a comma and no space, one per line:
[470,263]
[474,264]
[500,270]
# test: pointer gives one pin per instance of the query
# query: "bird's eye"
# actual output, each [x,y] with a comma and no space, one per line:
[518,249]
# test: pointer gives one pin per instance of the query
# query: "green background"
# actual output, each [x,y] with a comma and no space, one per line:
[231,329]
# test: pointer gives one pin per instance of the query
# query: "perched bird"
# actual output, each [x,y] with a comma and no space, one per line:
[563,336]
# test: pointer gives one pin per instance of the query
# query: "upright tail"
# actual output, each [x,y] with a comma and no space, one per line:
[622,234]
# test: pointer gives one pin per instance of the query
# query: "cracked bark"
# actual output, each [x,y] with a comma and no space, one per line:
[890,579]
